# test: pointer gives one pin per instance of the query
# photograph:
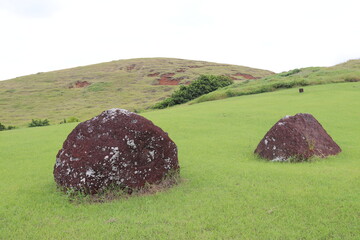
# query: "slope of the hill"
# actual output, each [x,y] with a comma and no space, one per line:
[83,92]
[345,72]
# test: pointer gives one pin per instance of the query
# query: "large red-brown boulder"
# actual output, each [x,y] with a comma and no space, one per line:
[299,137]
[116,148]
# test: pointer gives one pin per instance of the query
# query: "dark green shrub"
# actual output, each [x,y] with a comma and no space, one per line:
[38,123]
[202,85]
[289,73]
[168,102]
[3,127]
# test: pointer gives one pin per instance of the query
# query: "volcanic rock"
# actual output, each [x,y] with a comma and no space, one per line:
[299,137]
[116,148]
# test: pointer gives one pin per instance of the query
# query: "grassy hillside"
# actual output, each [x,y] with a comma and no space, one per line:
[227,192]
[345,72]
[82,92]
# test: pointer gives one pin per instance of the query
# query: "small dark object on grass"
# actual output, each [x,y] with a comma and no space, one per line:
[301,90]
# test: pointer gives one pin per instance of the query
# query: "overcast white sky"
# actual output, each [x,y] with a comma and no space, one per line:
[278,35]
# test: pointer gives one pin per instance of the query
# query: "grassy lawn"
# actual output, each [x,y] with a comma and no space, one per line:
[226,193]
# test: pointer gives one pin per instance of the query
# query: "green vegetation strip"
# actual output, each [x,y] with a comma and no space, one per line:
[347,72]
[225,193]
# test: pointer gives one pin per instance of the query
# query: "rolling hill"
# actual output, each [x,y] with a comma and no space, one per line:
[83,92]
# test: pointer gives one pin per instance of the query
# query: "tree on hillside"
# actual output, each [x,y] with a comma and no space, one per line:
[202,85]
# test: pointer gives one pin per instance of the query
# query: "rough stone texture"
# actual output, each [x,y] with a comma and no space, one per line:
[300,136]
[117,147]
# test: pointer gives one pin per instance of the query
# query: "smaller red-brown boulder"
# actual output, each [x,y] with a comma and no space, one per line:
[116,148]
[298,137]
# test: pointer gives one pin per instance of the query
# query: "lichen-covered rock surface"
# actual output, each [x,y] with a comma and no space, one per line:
[116,148]
[300,137]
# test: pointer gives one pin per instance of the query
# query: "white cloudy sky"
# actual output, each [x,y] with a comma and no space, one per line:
[278,35]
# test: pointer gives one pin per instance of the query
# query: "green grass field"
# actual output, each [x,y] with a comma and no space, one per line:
[226,192]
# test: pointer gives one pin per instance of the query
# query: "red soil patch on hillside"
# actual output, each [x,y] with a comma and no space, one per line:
[246,76]
[167,79]
[79,84]
[153,74]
